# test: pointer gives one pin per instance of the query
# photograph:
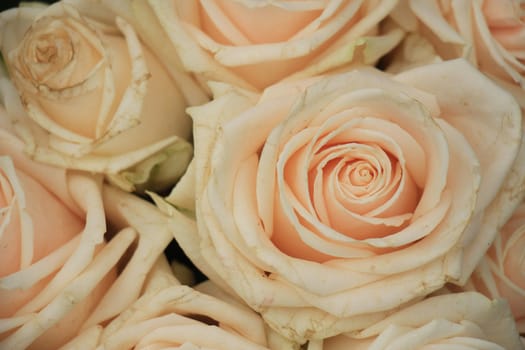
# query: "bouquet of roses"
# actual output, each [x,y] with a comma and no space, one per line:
[262,174]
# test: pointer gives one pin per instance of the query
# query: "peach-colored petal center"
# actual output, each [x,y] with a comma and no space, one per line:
[354,179]
[350,178]
[49,52]
[360,175]
[59,53]
[61,58]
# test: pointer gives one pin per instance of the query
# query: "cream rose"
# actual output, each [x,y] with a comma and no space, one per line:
[451,321]
[501,274]
[96,99]
[254,44]
[489,33]
[316,199]
[48,236]
[171,315]
[58,273]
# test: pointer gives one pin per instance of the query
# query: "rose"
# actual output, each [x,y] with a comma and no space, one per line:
[464,320]
[95,98]
[57,272]
[502,272]
[48,236]
[170,315]
[489,33]
[254,44]
[318,196]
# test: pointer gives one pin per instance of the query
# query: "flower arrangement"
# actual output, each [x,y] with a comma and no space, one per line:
[262,174]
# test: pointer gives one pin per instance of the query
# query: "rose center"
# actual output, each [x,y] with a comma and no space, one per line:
[356,183]
[358,171]
[48,54]
[361,173]
[45,53]
[50,49]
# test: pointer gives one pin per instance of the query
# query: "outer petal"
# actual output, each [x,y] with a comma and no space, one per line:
[500,274]
[465,320]
[172,314]
[218,48]
[500,153]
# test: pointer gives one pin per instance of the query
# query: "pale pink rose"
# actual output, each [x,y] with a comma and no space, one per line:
[452,321]
[48,235]
[94,98]
[502,272]
[326,203]
[254,44]
[171,315]
[58,273]
[489,33]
